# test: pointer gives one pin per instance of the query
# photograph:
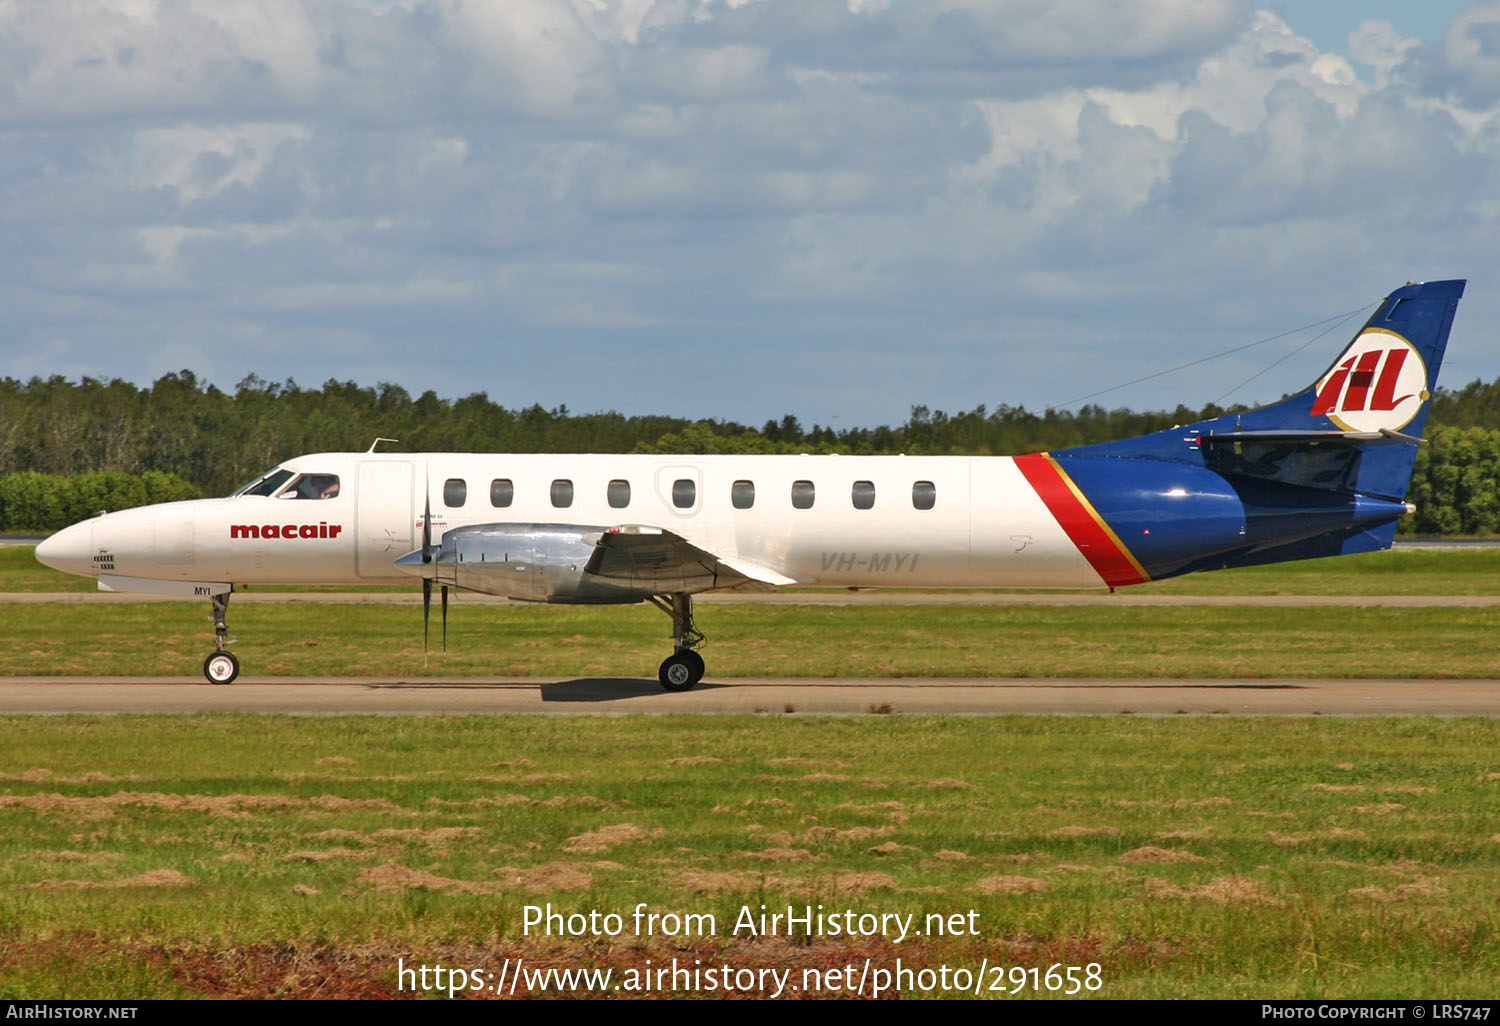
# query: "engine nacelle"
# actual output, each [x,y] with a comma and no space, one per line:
[528,562]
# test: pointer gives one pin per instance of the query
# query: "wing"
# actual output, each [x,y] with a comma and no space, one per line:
[578,563]
[652,557]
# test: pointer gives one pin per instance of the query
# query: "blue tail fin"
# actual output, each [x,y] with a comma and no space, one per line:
[1379,385]
[1321,473]
[1353,430]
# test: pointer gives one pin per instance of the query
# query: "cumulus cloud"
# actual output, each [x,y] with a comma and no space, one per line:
[1467,62]
[840,206]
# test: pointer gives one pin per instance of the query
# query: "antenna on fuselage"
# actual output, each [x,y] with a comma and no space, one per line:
[378,441]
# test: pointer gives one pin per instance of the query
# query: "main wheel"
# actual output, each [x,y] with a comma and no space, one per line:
[680,671]
[221,668]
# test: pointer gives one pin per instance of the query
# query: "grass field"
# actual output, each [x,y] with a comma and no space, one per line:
[765,640]
[1184,857]
[159,856]
[761,640]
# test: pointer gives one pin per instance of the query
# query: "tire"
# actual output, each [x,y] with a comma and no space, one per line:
[221,668]
[681,671]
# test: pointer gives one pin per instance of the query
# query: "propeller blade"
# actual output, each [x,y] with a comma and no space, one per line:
[427,531]
[426,614]
[445,623]
[427,583]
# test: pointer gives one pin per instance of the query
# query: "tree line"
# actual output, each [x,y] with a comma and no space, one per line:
[68,449]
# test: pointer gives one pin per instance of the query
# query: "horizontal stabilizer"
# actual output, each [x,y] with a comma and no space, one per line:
[1294,437]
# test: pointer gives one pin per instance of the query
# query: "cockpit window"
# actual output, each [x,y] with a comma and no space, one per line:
[312,486]
[267,483]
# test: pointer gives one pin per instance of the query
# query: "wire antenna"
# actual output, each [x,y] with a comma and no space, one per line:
[1333,322]
[1288,356]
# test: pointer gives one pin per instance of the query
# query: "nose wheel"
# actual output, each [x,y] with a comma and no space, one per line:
[221,667]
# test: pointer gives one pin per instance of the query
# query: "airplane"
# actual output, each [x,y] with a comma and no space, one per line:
[1321,473]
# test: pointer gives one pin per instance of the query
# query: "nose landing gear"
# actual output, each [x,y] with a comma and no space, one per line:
[221,667]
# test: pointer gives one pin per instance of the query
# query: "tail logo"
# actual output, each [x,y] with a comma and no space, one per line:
[1380,382]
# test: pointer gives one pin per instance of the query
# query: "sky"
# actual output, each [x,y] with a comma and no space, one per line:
[740,209]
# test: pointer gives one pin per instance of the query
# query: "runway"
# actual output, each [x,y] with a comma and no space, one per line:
[768,696]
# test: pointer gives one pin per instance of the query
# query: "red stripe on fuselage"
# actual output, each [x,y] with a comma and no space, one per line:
[1084,526]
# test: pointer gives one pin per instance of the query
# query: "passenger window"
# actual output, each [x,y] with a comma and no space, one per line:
[863,494]
[455,492]
[619,494]
[502,492]
[312,486]
[742,494]
[924,495]
[802,494]
[562,493]
[684,493]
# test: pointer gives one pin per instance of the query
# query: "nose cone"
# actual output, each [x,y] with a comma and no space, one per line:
[70,550]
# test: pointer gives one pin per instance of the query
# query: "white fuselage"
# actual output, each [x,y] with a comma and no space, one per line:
[983,526]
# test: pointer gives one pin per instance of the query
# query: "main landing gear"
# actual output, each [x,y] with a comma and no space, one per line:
[221,667]
[684,667]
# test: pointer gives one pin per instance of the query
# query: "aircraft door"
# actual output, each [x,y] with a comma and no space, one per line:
[386,517]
